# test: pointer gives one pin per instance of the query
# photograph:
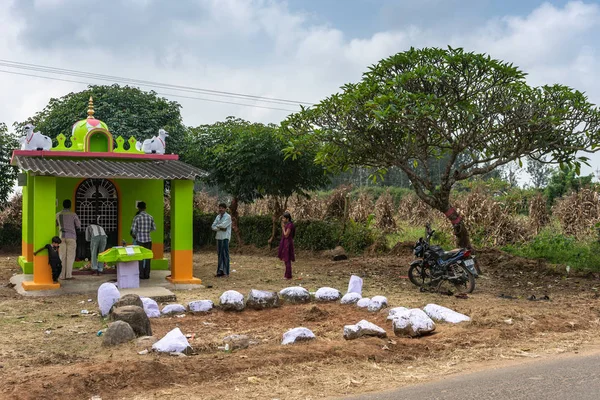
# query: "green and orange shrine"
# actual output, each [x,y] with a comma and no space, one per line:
[104,179]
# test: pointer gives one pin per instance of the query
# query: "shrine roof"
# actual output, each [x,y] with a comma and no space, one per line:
[138,167]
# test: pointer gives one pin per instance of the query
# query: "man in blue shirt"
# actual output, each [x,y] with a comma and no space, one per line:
[222,225]
[142,225]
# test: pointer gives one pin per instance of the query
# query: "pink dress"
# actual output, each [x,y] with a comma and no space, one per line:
[286,249]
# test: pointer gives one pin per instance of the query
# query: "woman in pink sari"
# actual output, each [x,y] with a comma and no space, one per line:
[286,246]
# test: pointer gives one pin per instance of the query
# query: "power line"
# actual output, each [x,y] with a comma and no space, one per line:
[69,72]
[162,94]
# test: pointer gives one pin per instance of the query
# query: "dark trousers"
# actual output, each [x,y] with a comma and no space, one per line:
[56,270]
[223,252]
[145,264]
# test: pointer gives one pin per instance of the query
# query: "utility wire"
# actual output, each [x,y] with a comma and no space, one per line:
[69,72]
[162,94]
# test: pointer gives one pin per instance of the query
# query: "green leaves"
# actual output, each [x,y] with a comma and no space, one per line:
[8,173]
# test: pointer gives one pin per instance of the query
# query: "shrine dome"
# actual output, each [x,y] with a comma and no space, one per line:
[90,134]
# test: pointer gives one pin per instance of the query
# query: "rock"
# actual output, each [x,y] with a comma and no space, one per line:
[237,342]
[351,298]
[173,309]
[297,335]
[396,312]
[363,303]
[355,284]
[295,295]
[363,328]
[377,303]
[129,300]
[172,342]
[150,307]
[413,323]
[232,301]
[261,299]
[146,341]
[338,254]
[118,332]
[443,314]
[135,317]
[327,294]
[108,294]
[200,306]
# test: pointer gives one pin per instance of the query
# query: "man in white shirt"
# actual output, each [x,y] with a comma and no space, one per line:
[95,234]
[222,225]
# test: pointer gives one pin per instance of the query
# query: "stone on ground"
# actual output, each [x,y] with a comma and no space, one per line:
[146,341]
[363,303]
[173,309]
[396,312]
[135,317]
[297,335]
[338,254]
[295,295]
[413,323]
[443,314]
[118,332]
[237,342]
[200,306]
[108,294]
[232,301]
[377,303]
[351,298]
[355,284]
[261,299]
[327,294]
[150,307]
[173,342]
[363,328]
[129,300]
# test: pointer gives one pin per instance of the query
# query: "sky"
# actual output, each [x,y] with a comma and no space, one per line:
[299,50]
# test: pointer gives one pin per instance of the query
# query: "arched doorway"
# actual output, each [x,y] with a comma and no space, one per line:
[97,198]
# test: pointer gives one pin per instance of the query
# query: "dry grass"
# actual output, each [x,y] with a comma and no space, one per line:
[578,212]
[362,207]
[384,213]
[538,213]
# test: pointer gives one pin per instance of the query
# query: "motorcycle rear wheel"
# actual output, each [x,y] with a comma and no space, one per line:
[419,275]
[469,285]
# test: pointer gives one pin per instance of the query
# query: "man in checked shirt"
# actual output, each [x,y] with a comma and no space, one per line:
[142,225]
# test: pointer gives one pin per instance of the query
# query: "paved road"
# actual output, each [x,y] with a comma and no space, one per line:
[576,378]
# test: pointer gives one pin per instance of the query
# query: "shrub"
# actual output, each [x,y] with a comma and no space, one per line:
[317,235]
[356,237]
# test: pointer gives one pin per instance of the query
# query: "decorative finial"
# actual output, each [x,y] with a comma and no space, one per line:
[91,108]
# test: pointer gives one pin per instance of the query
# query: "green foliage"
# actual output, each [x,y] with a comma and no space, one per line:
[8,173]
[317,235]
[356,237]
[256,230]
[246,160]
[127,111]
[560,249]
[564,181]
[10,235]
[397,193]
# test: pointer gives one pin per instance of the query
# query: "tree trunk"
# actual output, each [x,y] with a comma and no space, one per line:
[277,211]
[234,220]
[460,230]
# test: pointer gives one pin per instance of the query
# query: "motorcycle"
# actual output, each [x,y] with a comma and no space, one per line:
[437,266]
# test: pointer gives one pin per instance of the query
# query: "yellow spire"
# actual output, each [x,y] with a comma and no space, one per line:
[91,108]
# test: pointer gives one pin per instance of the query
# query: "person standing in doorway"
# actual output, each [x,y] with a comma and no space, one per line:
[142,225]
[222,225]
[286,246]
[68,223]
[95,234]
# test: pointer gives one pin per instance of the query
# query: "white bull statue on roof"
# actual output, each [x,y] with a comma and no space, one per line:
[156,145]
[34,140]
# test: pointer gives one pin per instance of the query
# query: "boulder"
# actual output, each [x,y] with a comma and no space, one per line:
[338,254]
[135,317]
[150,307]
[377,303]
[355,284]
[297,335]
[146,341]
[237,342]
[396,312]
[363,303]
[295,295]
[351,298]
[261,299]
[363,328]
[173,342]
[173,309]
[129,300]
[232,301]
[327,294]
[200,306]
[108,294]
[413,323]
[443,314]
[118,332]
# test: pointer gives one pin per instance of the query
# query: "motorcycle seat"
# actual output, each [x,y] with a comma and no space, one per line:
[450,254]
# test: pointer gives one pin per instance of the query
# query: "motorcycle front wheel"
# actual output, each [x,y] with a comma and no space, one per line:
[418,274]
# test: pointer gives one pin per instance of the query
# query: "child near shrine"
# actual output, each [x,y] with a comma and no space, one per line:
[53,257]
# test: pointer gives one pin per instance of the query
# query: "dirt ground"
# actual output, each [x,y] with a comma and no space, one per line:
[49,350]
